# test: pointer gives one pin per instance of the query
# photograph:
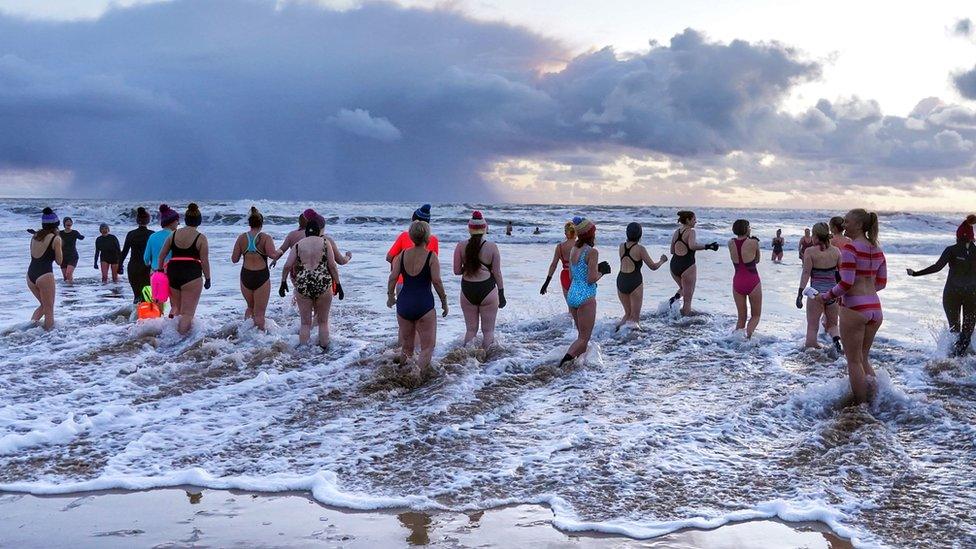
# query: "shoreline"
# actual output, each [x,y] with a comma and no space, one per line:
[189,515]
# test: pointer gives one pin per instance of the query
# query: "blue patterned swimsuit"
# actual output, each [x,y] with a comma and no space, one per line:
[580,290]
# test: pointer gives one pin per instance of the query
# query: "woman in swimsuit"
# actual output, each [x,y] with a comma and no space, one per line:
[188,269]
[135,243]
[45,249]
[256,248]
[746,285]
[805,242]
[959,294]
[415,303]
[778,243]
[479,263]
[108,250]
[684,244]
[837,238]
[69,248]
[561,254]
[630,281]
[820,264]
[586,270]
[863,273]
[313,270]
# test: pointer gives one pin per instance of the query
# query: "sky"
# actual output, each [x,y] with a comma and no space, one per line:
[751,103]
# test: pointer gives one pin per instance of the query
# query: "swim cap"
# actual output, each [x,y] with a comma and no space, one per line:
[965,231]
[142,216]
[477,223]
[167,215]
[634,232]
[585,228]
[422,213]
[48,217]
[577,220]
[309,214]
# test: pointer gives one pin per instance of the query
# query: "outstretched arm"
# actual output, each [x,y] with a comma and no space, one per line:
[935,267]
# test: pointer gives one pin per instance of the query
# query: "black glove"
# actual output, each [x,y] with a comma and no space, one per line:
[31,231]
[713,246]
[501,299]
[121,269]
[339,292]
[206,283]
[283,289]
[95,266]
[799,298]
[603,267]
[545,287]
[756,238]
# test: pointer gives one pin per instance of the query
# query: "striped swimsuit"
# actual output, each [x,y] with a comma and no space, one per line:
[861,260]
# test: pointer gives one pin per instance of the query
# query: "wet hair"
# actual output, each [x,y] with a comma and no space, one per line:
[837,223]
[46,228]
[684,216]
[634,232]
[822,233]
[419,232]
[472,255]
[69,220]
[588,238]
[569,229]
[142,216]
[779,232]
[312,228]
[255,220]
[869,223]
[740,227]
[193,217]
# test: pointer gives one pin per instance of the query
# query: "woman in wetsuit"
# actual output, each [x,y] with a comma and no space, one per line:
[684,244]
[313,269]
[746,285]
[778,243]
[863,273]
[561,254]
[69,248]
[135,242]
[479,263]
[256,248]
[820,268]
[959,294]
[630,281]
[586,270]
[45,249]
[188,269]
[415,303]
[108,250]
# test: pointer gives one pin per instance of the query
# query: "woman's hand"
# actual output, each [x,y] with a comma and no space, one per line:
[390,300]
[911,272]
[444,307]
[603,267]
[799,298]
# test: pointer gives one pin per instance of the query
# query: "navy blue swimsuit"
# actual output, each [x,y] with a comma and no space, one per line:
[416,298]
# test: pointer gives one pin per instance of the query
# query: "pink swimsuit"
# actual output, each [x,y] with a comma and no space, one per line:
[861,260]
[746,276]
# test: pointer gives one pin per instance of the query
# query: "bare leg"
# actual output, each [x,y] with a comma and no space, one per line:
[322,307]
[104,267]
[625,303]
[115,271]
[755,310]
[831,315]
[408,335]
[259,304]
[189,298]
[69,273]
[305,316]
[870,331]
[740,310]
[427,328]
[636,303]
[689,279]
[815,309]
[248,301]
[852,328]
[39,311]
[586,318]
[174,302]
[471,319]
[488,313]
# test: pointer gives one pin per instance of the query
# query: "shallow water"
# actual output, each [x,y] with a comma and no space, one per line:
[681,424]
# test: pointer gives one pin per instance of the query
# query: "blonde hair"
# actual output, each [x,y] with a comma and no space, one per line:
[821,231]
[869,223]
[419,232]
[569,229]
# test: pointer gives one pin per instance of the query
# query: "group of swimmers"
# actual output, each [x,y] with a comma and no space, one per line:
[843,270]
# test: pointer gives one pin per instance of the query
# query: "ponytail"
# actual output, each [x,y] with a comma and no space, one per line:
[871,231]
[255,220]
[472,255]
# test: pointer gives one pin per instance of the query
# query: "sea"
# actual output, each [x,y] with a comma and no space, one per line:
[680,424]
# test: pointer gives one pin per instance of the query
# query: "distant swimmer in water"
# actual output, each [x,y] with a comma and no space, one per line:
[820,269]
[256,248]
[508,229]
[959,294]
[420,270]
[537,231]
[479,263]
[586,270]
[69,248]
[684,244]
[863,273]
[746,285]
[778,243]
[630,281]
[837,238]
[313,269]
[805,242]
[135,243]
[188,269]
[107,248]
[45,250]
[561,254]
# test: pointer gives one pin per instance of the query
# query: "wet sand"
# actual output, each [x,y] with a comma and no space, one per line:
[189,516]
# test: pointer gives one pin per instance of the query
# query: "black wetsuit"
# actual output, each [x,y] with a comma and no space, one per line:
[107,248]
[960,289]
[69,251]
[135,242]
[628,282]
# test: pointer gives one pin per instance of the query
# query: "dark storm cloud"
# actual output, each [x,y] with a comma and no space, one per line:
[965,82]
[227,98]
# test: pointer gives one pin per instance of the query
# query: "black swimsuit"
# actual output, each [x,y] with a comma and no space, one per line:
[476,292]
[184,267]
[628,282]
[681,263]
[40,266]
[251,279]
[777,245]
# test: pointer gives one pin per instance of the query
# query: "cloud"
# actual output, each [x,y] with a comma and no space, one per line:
[963,27]
[965,82]
[220,98]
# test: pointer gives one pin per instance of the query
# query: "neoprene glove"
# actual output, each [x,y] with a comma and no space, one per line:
[545,287]
[713,246]
[339,292]
[283,289]
[799,298]
[501,299]
[603,267]
[206,284]
[121,269]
